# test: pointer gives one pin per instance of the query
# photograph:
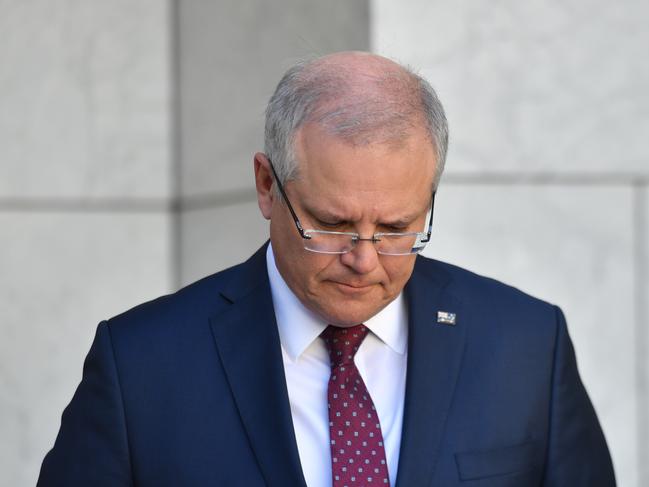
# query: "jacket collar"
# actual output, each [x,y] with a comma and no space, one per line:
[248,345]
[435,352]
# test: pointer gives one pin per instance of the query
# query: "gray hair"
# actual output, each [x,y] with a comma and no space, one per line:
[331,97]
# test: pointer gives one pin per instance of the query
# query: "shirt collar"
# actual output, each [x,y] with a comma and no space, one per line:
[299,327]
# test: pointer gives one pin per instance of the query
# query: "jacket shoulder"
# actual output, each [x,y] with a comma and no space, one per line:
[487,295]
[191,304]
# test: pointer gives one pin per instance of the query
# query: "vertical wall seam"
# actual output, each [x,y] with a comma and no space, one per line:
[175,238]
[641,286]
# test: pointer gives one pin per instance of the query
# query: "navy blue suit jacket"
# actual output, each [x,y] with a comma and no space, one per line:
[189,390]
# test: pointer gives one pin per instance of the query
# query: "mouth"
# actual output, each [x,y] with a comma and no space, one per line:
[353,288]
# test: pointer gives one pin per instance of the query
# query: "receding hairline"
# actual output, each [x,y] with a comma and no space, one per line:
[363,98]
[358,61]
[359,97]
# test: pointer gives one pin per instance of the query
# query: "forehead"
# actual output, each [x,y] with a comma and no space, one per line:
[384,175]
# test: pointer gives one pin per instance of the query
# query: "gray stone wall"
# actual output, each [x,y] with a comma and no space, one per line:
[84,197]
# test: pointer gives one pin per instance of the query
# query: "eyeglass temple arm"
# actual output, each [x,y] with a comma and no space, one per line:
[430,222]
[288,203]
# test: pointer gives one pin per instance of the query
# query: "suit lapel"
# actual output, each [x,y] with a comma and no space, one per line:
[248,344]
[434,356]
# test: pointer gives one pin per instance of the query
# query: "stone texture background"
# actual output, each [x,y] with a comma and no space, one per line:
[85,185]
[127,132]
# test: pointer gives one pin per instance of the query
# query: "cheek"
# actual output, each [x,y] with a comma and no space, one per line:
[398,271]
[308,270]
[321,266]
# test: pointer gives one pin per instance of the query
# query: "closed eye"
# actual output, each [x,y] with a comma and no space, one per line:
[330,224]
[395,228]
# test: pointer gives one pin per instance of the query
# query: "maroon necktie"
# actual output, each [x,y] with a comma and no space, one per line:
[357,452]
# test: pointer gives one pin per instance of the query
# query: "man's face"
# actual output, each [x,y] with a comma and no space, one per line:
[363,189]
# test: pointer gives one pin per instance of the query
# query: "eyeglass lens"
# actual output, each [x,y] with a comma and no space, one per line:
[340,243]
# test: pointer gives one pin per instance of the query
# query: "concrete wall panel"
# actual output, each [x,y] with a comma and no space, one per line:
[216,238]
[84,90]
[531,86]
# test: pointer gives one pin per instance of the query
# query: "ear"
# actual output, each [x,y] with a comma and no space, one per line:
[264,183]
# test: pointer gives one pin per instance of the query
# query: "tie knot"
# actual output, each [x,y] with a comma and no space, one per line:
[342,343]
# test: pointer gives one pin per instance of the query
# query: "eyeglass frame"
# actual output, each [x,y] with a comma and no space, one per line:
[373,239]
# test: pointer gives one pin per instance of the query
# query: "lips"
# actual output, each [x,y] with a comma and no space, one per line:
[353,287]
[354,284]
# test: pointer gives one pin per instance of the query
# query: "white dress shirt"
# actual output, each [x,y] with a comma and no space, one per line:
[381,361]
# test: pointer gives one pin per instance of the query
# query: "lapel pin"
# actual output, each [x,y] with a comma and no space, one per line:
[446,318]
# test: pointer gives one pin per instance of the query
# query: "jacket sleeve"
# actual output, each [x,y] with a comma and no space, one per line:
[577,453]
[91,447]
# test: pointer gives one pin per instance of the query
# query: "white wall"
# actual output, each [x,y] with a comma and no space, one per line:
[84,197]
[547,172]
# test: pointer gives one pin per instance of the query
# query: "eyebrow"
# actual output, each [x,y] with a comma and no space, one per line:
[400,222]
[328,215]
[322,214]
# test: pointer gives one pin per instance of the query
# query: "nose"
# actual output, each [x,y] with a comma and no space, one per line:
[362,258]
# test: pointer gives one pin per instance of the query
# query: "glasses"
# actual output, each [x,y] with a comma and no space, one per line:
[386,243]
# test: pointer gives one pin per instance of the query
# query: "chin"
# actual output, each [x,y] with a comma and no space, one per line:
[346,309]
[346,315]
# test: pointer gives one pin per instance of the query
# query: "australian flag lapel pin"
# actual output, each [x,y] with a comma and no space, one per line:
[446,318]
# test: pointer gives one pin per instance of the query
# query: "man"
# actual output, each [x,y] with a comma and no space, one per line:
[335,355]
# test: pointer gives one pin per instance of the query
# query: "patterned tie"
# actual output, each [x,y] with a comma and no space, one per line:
[357,452]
